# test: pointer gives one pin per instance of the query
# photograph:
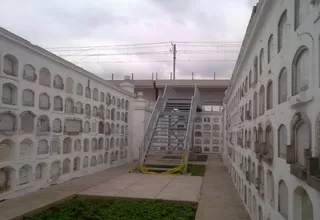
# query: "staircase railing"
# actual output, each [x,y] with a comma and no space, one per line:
[196,96]
[195,101]
[169,93]
[158,107]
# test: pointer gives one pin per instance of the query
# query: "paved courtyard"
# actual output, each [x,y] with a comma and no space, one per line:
[135,185]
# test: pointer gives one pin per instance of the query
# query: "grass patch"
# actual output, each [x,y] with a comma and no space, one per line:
[196,170]
[200,158]
[86,209]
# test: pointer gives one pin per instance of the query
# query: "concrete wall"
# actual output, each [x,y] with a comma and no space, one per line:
[213,143]
[18,174]
[264,23]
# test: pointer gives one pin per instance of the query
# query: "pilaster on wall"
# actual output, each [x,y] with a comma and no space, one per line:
[130,88]
[141,113]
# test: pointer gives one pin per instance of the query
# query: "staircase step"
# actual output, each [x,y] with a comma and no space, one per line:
[170,129]
[173,119]
[165,153]
[159,169]
[166,131]
[172,132]
[178,105]
[165,148]
[164,162]
[175,113]
[165,140]
[182,122]
[177,109]
[179,101]
[160,157]
[165,136]
[173,122]
[174,143]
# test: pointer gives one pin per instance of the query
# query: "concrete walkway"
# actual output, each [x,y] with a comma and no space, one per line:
[42,199]
[140,186]
[219,199]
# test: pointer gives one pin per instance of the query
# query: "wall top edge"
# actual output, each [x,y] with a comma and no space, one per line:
[252,29]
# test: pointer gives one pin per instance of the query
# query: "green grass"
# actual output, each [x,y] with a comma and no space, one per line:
[202,158]
[86,209]
[196,170]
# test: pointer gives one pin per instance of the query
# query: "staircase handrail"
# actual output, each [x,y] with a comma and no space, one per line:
[158,107]
[169,92]
[196,95]
[189,132]
[195,102]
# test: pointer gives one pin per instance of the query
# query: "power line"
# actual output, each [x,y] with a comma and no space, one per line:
[219,51]
[206,52]
[208,42]
[145,44]
[110,48]
[113,54]
[101,46]
[199,52]
[157,61]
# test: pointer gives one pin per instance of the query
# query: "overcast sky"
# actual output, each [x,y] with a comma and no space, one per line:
[108,22]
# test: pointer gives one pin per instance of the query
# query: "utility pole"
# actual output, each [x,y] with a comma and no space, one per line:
[192,75]
[174,52]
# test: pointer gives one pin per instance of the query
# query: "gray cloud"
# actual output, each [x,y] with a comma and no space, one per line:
[103,22]
[252,2]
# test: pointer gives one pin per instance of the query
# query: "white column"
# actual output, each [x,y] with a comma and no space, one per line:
[141,115]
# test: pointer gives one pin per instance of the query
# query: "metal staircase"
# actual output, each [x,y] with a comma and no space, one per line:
[168,138]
